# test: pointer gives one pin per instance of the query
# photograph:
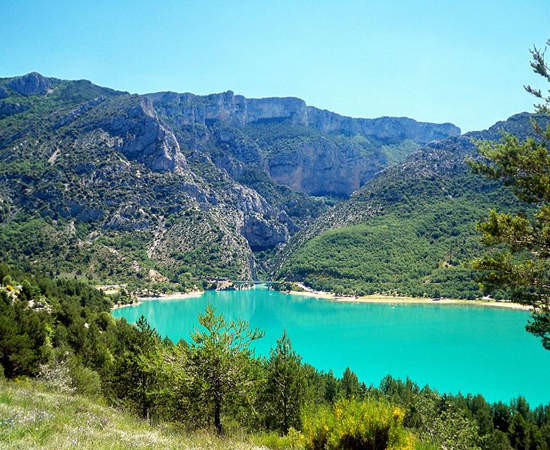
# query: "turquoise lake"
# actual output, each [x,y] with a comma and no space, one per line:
[453,348]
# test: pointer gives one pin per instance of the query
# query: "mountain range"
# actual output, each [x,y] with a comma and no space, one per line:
[119,187]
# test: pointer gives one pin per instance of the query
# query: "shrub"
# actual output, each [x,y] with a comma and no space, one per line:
[293,440]
[56,374]
[86,381]
[369,425]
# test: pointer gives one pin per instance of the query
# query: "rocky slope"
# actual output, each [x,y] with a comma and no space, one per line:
[104,183]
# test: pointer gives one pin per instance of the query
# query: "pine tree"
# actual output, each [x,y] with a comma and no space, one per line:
[220,362]
[520,260]
[285,386]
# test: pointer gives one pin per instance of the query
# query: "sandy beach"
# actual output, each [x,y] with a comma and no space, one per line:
[387,299]
[380,299]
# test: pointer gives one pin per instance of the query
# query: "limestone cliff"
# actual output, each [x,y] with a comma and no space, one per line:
[240,111]
[110,184]
[313,151]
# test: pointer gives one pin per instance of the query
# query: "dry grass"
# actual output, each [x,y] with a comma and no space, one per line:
[34,418]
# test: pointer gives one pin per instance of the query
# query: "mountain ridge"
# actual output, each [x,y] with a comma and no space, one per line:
[240,111]
[87,171]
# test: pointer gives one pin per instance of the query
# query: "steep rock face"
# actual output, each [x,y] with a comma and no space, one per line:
[238,152]
[145,138]
[31,84]
[324,168]
[312,151]
[227,107]
[392,128]
[240,111]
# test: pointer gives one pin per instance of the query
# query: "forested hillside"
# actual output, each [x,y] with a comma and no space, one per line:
[411,230]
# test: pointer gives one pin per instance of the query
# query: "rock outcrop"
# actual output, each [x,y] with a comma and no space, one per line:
[322,167]
[144,137]
[31,84]
[312,151]
[391,128]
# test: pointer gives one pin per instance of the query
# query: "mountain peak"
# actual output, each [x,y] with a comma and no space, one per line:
[30,84]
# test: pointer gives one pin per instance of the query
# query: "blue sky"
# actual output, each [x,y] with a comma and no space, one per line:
[460,61]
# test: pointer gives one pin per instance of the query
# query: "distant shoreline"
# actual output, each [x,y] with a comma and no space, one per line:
[372,299]
[174,296]
[386,299]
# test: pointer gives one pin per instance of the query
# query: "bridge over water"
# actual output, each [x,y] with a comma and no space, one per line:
[243,284]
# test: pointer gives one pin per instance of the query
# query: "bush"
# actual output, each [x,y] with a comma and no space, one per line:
[86,381]
[293,440]
[369,425]
[56,374]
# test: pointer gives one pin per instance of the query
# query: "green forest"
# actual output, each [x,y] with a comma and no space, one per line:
[420,246]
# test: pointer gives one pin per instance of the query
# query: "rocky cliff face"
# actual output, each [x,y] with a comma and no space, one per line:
[229,108]
[313,151]
[145,138]
[239,111]
[31,84]
[391,128]
[177,182]
[323,167]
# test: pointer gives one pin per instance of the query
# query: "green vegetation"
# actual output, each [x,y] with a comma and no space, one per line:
[398,153]
[368,425]
[34,416]
[219,363]
[523,265]
[284,387]
[61,333]
[417,247]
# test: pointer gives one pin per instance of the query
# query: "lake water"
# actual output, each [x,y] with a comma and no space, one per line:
[452,348]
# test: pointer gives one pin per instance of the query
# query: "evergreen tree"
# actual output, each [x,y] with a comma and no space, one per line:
[331,387]
[285,386]
[135,379]
[220,362]
[23,337]
[350,386]
[523,267]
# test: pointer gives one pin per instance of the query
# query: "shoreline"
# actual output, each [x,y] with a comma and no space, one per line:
[174,296]
[372,299]
[387,299]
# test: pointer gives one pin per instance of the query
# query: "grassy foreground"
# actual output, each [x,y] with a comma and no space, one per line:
[32,417]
